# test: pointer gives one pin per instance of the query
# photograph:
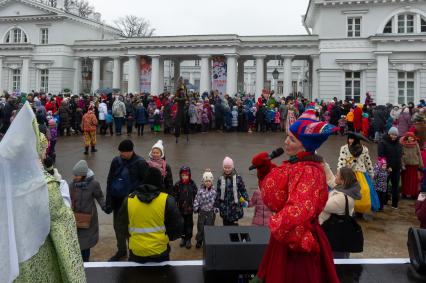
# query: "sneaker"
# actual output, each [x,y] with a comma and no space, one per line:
[182,243]
[395,207]
[119,256]
[188,244]
[198,245]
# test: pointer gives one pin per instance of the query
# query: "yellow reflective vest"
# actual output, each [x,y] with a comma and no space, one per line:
[146,226]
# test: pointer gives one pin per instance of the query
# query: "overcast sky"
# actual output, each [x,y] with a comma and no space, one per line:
[191,17]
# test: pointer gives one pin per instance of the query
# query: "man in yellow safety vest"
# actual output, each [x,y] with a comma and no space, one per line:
[151,219]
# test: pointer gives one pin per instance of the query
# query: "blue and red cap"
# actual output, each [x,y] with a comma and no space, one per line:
[311,133]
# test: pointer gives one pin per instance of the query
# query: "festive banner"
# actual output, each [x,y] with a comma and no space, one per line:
[145,78]
[219,74]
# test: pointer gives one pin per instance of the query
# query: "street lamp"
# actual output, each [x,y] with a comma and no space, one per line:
[275,74]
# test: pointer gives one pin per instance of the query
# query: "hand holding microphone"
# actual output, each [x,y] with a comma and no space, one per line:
[262,162]
[264,159]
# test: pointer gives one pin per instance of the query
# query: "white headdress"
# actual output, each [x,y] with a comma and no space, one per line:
[24,200]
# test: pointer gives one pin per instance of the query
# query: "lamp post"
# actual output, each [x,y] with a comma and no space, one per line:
[275,75]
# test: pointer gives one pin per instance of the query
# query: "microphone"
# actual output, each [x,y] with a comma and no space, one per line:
[276,153]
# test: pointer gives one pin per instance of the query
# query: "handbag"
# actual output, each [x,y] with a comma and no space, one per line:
[343,232]
[82,220]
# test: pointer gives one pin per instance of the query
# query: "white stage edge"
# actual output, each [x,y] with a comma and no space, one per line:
[200,262]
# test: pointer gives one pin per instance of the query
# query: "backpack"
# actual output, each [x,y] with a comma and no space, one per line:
[108,118]
[122,185]
[115,109]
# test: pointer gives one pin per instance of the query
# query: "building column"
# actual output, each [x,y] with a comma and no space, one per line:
[382,78]
[417,23]
[161,76]
[395,24]
[1,75]
[96,73]
[155,74]
[133,84]
[260,78]
[116,73]
[231,74]
[205,78]
[265,73]
[287,81]
[176,73]
[314,79]
[25,75]
[77,76]
[240,75]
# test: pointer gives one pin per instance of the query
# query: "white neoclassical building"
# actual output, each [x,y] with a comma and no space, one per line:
[350,48]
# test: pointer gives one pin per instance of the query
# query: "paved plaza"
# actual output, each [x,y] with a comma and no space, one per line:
[385,236]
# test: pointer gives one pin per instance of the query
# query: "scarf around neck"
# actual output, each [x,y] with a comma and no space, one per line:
[160,165]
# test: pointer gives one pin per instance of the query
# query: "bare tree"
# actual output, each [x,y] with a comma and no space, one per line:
[133,26]
[83,7]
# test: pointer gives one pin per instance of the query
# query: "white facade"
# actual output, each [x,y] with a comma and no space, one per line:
[352,47]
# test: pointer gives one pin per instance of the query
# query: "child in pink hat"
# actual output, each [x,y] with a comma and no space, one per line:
[231,194]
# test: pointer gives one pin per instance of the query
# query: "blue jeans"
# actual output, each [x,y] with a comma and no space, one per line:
[118,121]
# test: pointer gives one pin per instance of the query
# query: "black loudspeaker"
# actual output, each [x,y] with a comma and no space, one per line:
[229,248]
[416,244]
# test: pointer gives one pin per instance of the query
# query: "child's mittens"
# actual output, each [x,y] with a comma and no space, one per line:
[243,202]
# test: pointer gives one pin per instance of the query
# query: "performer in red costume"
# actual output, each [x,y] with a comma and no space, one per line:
[298,250]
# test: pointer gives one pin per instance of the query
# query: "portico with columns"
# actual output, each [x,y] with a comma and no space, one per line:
[385,57]
[235,49]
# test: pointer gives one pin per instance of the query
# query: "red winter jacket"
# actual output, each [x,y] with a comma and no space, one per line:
[357,119]
[365,127]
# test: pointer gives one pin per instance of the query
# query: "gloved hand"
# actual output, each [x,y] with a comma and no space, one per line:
[263,164]
[108,210]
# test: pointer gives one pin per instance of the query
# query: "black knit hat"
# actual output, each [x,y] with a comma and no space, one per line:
[153,177]
[126,146]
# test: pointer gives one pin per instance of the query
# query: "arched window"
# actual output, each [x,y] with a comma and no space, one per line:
[388,27]
[405,23]
[16,35]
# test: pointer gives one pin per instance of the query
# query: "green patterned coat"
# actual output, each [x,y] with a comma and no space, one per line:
[59,258]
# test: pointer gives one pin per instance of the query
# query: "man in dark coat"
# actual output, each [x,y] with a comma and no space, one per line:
[181,122]
[8,109]
[137,168]
[65,114]
[219,113]
[335,114]
[380,117]
[391,149]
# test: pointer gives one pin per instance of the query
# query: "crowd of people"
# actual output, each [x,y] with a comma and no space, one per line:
[359,185]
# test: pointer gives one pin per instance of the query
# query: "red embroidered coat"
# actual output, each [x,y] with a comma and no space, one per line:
[297,193]
[298,250]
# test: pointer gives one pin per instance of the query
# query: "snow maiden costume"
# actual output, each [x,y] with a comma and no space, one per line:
[296,191]
[38,236]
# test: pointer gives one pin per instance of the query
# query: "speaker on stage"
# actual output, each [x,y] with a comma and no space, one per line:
[229,248]
[417,249]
